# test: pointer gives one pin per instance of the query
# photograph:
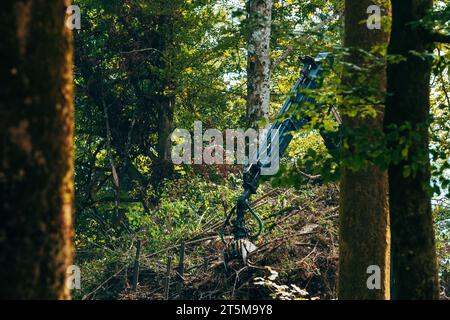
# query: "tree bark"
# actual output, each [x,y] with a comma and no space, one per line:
[364,211]
[258,60]
[165,97]
[36,152]
[414,262]
[164,168]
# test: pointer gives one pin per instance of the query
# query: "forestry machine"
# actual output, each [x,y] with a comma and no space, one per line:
[290,120]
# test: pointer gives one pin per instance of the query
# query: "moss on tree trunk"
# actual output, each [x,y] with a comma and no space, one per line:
[36,151]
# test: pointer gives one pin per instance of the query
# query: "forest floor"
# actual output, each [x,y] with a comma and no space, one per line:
[296,257]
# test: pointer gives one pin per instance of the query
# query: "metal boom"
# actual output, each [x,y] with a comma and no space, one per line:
[310,78]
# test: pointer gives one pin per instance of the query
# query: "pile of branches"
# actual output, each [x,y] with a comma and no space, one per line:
[296,257]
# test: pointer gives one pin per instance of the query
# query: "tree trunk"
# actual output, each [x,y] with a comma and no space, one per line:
[258,60]
[414,262]
[36,152]
[364,211]
[165,127]
[166,97]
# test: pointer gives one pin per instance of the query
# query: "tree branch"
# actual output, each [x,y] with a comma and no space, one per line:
[310,177]
[286,53]
[299,40]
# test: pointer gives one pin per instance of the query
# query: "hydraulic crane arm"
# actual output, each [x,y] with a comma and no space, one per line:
[280,132]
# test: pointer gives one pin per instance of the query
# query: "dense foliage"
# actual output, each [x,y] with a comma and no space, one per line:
[135,57]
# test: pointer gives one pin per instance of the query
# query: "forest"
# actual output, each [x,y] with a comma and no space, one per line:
[225,150]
